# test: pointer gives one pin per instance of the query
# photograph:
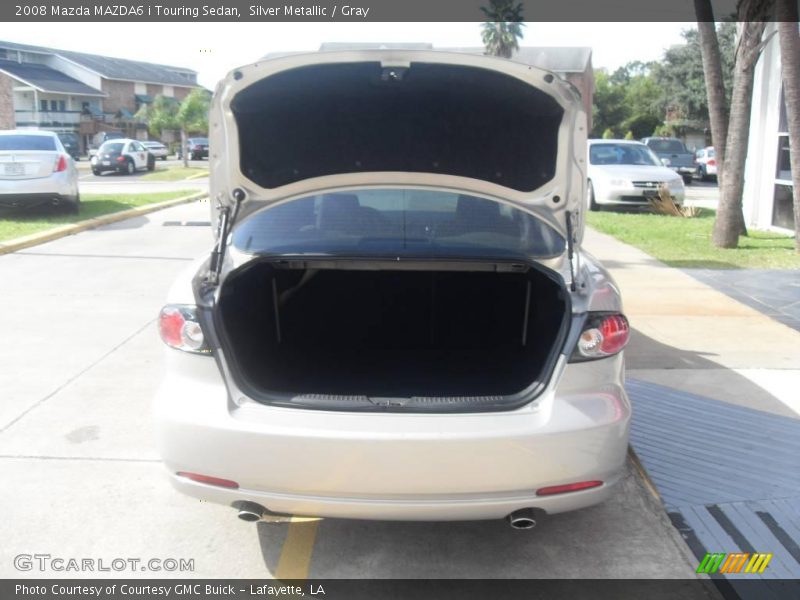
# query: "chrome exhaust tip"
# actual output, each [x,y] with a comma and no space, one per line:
[250,511]
[524,518]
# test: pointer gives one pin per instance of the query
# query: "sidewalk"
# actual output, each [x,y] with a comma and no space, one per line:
[716,423]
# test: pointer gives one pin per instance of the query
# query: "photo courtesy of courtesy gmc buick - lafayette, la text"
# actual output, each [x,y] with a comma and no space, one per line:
[397,320]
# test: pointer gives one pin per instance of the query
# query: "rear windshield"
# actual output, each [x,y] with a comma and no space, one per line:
[198,141]
[621,154]
[666,146]
[27,142]
[112,147]
[396,222]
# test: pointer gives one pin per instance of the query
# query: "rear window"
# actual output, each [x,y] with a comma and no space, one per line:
[27,142]
[666,146]
[112,147]
[199,141]
[396,222]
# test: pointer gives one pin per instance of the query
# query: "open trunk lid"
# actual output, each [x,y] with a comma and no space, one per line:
[309,123]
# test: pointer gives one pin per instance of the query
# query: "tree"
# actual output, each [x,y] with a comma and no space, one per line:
[503,30]
[189,116]
[715,82]
[608,109]
[787,17]
[729,223]
[192,117]
[680,76]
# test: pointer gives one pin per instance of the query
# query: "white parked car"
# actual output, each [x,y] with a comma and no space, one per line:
[122,156]
[627,173]
[397,320]
[706,160]
[157,149]
[35,169]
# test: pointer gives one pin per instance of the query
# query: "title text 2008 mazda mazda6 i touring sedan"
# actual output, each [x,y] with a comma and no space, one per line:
[397,320]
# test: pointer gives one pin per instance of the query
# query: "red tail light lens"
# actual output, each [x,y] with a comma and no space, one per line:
[570,487]
[61,164]
[120,159]
[712,163]
[180,329]
[207,479]
[603,335]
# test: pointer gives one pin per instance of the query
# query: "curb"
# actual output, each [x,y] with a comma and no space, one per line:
[642,472]
[58,232]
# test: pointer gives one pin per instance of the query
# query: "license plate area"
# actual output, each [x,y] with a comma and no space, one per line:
[14,169]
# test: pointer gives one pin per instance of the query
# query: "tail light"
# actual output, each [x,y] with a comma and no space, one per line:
[61,164]
[603,334]
[570,487]
[208,480]
[711,162]
[120,159]
[180,329]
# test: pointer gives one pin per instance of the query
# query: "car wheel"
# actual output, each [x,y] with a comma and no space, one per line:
[96,172]
[130,167]
[73,207]
[592,203]
[163,158]
[687,179]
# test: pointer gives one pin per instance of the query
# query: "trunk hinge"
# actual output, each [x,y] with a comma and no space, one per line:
[571,255]
[227,216]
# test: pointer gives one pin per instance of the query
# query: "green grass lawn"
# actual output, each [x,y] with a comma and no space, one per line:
[686,243]
[17,222]
[173,173]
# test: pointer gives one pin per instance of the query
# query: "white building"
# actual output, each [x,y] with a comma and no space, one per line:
[767,199]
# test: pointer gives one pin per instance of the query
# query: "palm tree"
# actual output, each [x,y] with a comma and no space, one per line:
[787,16]
[503,30]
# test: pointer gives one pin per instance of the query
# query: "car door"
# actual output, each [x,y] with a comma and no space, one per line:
[139,155]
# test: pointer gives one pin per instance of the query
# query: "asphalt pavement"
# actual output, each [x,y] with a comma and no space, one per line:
[82,479]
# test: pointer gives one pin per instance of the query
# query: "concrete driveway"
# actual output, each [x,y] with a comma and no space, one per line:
[81,478]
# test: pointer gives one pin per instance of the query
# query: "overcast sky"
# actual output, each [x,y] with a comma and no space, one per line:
[212,49]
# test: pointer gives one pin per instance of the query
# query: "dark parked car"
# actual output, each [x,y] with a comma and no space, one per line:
[673,154]
[71,144]
[197,148]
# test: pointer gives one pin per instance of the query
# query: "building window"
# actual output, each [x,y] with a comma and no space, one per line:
[54,105]
[782,208]
[43,105]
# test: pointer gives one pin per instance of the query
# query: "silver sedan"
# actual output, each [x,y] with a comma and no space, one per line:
[35,169]
[627,173]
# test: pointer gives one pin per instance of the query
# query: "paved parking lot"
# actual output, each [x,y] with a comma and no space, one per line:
[81,360]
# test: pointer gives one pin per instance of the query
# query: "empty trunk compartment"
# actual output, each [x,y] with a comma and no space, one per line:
[383,333]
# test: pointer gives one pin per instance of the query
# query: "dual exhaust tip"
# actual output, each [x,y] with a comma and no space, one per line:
[524,518]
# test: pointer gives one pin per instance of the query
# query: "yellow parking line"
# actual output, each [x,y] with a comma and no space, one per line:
[295,557]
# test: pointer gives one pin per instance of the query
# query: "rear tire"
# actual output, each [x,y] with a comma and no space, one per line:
[130,168]
[687,180]
[163,158]
[96,172]
[593,206]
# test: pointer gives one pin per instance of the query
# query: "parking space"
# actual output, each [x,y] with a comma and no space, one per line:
[82,360]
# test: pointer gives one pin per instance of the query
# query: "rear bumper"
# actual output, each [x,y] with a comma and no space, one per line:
[395,466]
[40,190]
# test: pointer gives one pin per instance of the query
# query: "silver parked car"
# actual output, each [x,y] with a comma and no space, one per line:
[157,149]
[626,173]
[35,170]
[397,320]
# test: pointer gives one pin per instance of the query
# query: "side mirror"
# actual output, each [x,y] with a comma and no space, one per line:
[665,162]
